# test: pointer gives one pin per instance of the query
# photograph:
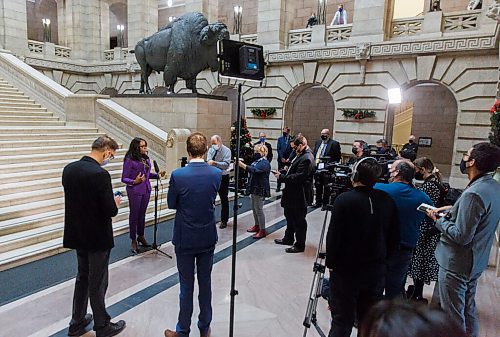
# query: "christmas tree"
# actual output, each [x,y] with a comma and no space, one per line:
[495,123]
[246,147]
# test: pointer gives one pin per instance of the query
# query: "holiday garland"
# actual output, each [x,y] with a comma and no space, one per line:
[263,112]
[357,113]
[495,123]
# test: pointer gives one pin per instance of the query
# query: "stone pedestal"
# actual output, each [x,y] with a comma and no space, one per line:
[184,111]
[318,36]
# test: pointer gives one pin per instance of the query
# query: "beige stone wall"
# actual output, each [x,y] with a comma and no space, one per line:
[454,5]
[165,13]
[249,19]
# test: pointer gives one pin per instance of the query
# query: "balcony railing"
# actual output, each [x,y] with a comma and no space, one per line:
[115,54]
[299,36]
[407,26]
[49,49]
[251,38]
[338,33]
[463,21]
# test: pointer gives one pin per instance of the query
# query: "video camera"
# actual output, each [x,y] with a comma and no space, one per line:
[335,178]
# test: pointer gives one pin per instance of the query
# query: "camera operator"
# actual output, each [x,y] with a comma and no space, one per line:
[298,182]
[324,147]
[407,199]
[467,234]
[363,232]
[383,148]
[359,150]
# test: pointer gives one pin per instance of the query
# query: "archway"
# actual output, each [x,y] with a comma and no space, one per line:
[308,109]
[118,25]
[429,111]
[232,96]
[36,12]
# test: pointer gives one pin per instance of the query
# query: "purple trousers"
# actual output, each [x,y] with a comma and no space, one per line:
[138,203]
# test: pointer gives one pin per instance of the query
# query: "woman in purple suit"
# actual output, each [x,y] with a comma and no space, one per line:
[136,174]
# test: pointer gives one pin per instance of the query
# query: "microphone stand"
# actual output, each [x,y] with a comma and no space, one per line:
[155,246]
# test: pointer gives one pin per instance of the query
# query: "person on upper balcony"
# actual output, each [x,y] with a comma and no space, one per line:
[340,17]
[312,21]
[475,4]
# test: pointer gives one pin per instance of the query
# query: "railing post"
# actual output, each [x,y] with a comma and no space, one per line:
[49,50]
[432,26]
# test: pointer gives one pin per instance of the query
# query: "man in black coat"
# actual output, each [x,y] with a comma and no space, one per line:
[294,200]
[89,207]
[329,148]
[363,233]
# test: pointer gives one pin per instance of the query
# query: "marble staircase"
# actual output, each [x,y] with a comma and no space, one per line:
[35,145]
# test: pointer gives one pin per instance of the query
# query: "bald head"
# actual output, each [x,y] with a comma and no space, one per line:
[215,140]
[402,170]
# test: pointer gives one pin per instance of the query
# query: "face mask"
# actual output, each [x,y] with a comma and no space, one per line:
[285,134]
[215,147]
[392,176]
[354,150]
[410,141]
[262,139]
[419,176]
[256,156]
[463,166]
[324,137]
[341,9]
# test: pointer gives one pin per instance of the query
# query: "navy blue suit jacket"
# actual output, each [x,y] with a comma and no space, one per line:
[192,191]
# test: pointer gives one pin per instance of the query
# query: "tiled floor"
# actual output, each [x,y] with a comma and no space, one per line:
[273,292]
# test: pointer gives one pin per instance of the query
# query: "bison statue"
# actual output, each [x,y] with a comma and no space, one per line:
[183,48]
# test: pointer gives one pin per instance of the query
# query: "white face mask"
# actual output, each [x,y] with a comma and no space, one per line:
[215,147]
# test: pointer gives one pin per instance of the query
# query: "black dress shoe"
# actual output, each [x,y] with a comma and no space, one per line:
[112,329]
[76,330]
[316,205]
[223,225]
[294,249]
[282,242]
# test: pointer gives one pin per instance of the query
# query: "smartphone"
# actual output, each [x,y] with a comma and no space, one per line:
[426,207]
[274,171]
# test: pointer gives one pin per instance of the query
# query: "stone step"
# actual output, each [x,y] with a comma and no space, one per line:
[49,150]
[16,99]
[38,166]
[49,136]
[45,233]
[16,177]
[4,143]
[9,90]
[21,108]
[28,123]
[43,157]
[5,104]
[22,119]
[44,129]
[22,255]
[24,114]
[12,95]
[35,190]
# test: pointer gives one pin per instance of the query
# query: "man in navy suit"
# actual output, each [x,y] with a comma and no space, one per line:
[192,193]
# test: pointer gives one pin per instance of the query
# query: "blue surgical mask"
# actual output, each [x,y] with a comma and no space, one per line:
[262,139]
[215,147]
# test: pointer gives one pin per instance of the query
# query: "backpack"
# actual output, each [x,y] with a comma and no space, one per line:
[448,195]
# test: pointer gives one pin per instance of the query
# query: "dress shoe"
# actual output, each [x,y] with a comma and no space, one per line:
[294,249]
[316,205]
[223,225]
[76,330]
[207,334]
[133,247]
[253,229]
[112,329]
[170,333]
[142,240]
[261,234]
[282,242]
[278,189]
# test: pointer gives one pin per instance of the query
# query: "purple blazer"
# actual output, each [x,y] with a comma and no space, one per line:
[131,169]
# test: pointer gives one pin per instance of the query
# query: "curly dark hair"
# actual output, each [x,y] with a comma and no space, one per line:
[134,150]
[486,156]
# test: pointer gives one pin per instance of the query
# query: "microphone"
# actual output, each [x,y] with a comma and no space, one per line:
[157,170]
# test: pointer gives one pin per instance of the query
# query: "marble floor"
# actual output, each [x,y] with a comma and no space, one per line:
[273,291]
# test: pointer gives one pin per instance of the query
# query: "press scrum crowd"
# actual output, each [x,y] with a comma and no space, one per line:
[376,236]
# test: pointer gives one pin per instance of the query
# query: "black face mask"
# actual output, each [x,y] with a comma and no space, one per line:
[419,176]
[410,141]
[354,150]
[285,134]
[324,137]
[463,167]
[256,156]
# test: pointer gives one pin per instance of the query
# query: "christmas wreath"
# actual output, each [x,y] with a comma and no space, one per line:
[263,112]
[495,123]
[357,113]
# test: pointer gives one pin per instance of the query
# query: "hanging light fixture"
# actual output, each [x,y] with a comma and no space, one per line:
[46,30]
[238,10]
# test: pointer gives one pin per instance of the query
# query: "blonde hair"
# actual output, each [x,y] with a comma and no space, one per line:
[261,148]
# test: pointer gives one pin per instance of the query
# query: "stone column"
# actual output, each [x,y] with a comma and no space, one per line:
[209,8]
[142,17]
[371,19]
[274,20]
[14,26]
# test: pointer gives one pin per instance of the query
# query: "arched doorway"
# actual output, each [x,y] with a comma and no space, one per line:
[429,111]
[118,25]
[309,109]
[42,20]
[232,96]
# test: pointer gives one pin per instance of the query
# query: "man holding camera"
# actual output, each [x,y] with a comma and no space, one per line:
[407,199]
[325,150]
[363,232]
[298,180]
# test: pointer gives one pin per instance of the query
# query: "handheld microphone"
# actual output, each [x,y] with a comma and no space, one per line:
[155,164]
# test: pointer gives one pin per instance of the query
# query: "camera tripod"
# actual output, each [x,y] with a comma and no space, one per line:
[317,283]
